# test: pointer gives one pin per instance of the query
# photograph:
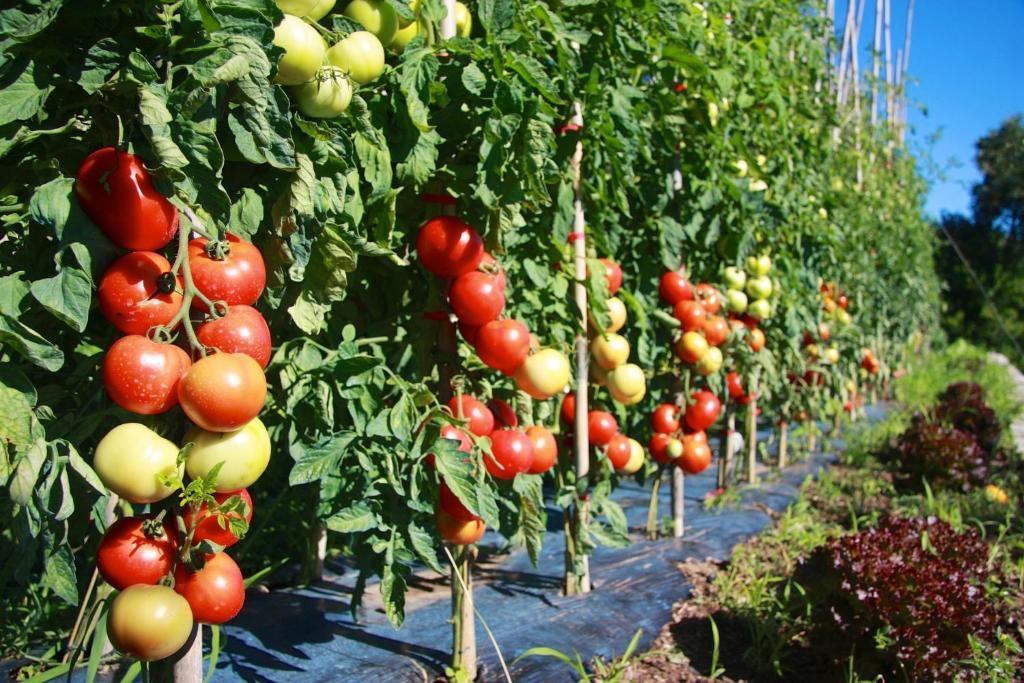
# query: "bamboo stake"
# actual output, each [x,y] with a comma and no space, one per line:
[841,69]
[573,583]
[783,443]
[876,62]
[888,60]
[726,454]
[678,487]
[752,442]
[902,115]
[184,666]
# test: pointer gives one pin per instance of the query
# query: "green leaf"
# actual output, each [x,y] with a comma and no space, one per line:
[326,277]
[417,72]
[247,213]
[17,399]
[223,66]
[30,344]
[51,204]
[392,592]
[473,79]
[13,290]
[22,94]
[402,415]
[21,26]
[318,462]
[358,517]
[27,473]
[59,575]
[533,73]
[308,315]
[88,474]
[101,61]
[495,15]
[67,296]
[423,544]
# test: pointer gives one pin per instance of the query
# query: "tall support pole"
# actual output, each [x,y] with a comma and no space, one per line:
[579,582]
[184,666]
[752,442]
[886,28]
[876,62]
[678,488]
[783,444]
[725,457]
[905,69]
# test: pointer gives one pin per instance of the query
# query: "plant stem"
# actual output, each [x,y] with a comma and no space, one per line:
[652,507]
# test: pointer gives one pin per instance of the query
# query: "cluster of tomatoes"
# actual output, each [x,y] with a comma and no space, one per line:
[703,330]
[685,441]
[222,393]
[452,250]
[869,362]
[321,77]
[609,350]
[625,454]
[835,303]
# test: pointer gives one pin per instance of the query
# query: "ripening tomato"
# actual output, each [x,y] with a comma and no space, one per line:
[503,345]
[756,340]
[504,416]
[716,330]
[149,622]
[138,291]
[609,350]
[242,330]
[490,265]
[463,20]
[360,54]
[244,453]
[543,374]
[448,248]
[627,383]
[616,315]
[479,417]
[665,418]
[691,315]
[116,191]
[511,454]
[674,287]
[613,273]
[658,446]
[215,593]
[732,381]
[326,95]
[710,362]
[303,51]
[843,302]
[130,460]
[696,454]
[824,332]
[618,451]
[703,411]
[451,504]
[545,449]
[568,411]
[636,458]
[135,550]
[223,392]
[601,426]
[377,16]
[476,298]
[691,347]
[238,278]
[709,298]
[211,526]
[458,532]
[142,376]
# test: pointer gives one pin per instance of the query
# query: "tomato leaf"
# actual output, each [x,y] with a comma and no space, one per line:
[59,575]
[17,399]
[67,295]
[358,517]
[392,592]
[423,543]
[22,93]
[30,344]
[315,463]
[26,473]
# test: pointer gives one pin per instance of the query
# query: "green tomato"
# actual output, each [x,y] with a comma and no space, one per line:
[326,96]
[759,287]
[463,20]
[298,8]
[404,37]
[321,10]
[760,309]
[735,301]
[759,265]
[360,55]
[130,459]
[711,362]
[377,16]
[735,278]
[303,51]
[674,449]
[245,453]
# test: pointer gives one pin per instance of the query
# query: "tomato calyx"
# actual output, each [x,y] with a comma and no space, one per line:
[218,250]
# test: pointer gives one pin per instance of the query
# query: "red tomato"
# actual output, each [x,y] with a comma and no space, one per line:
[469,332]
[448,248]
[133,294]
[142,376]
[242,330]
[601,427]
[756,340]
[512,453]
[843,302]
[568,412]
[703,412]
[665,419]
[504,416]
[481,420]
[451,504]
[691,315]
[237,279]
[215,593]
[736,390]
[208,527]
[658,446]
[545,449]
[709,298]
[135,550]
[457,532]
[674,287]
[503,345]
[223,392]
[696,454]
[476,299]
[716,330]
[618,451]
[490,265]
[614,274]
[116,191]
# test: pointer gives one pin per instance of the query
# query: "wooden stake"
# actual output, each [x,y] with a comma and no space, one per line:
[184,666]
[752,441]
[876,62]
[889,104]
[580,583]
[905,66]
[725,456]
[678,513]
[783,443]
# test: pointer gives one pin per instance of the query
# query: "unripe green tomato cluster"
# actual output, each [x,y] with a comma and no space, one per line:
[759,287]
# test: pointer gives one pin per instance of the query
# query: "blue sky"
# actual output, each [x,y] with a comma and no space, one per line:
[966,75]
